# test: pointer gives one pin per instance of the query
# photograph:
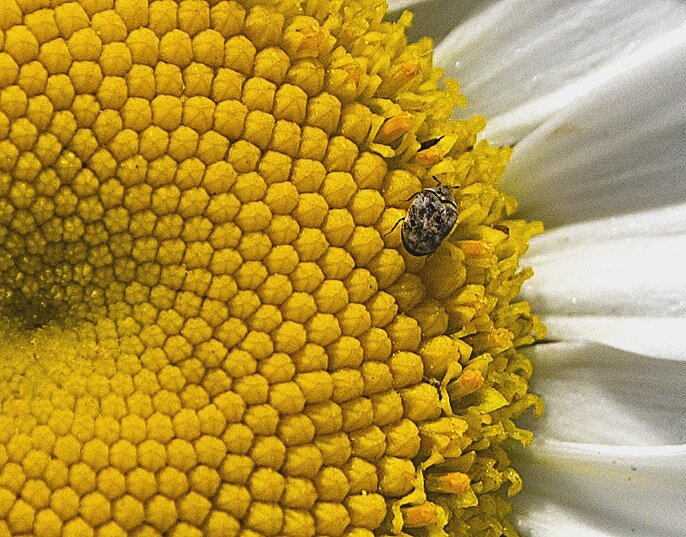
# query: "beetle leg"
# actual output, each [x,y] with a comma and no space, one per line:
[394,226]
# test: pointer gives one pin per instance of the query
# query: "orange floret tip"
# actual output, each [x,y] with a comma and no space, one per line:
[429,157]
[468,382]
[394,127]
[422,515]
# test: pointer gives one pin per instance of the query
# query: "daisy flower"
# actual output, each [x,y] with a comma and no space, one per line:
[594,98]
[211,320]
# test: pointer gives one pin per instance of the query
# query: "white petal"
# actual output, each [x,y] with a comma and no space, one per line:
[652,336]
[596,282]
[619,150]
[667,220]
[609,455]
[540,516]
[594,490]
[599,395]
[395,5]
[436,18]
[520,62]
[638,276]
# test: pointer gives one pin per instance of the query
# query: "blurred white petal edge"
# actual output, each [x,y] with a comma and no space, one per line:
[609,454]
[597,394]
[589,490]
[521,62]
[621,149]
[628,292]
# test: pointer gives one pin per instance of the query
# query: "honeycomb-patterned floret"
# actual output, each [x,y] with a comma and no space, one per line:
[210,325]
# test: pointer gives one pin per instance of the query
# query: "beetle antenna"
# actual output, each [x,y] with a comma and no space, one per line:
[441,184]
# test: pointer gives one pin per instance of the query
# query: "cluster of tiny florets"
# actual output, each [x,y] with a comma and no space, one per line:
[207,325]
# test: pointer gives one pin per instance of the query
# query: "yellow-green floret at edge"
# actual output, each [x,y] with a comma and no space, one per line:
[206,325]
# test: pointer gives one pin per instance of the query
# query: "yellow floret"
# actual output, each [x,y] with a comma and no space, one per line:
[209,323]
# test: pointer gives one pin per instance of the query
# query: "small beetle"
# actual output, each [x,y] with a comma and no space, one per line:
[430,219]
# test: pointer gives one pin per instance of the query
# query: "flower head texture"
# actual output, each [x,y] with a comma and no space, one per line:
[208,322]
[593,96]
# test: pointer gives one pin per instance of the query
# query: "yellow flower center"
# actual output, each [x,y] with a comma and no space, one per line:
[207,326]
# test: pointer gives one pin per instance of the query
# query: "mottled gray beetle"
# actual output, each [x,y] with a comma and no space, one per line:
[429,220]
